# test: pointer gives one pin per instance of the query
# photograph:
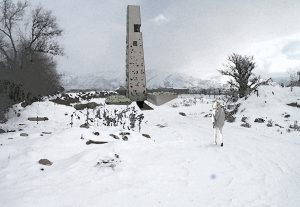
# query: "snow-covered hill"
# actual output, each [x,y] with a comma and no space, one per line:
[177,166]
[271,105]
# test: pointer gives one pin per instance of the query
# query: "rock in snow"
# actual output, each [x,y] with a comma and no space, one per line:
[114,136]
[85,125]
[45,162]
[146,135]
[247,125]
[259,120]
[182,113]
[95,142]
[24,135]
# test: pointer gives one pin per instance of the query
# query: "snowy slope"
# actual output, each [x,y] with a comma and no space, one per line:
[271,104]
[178,166]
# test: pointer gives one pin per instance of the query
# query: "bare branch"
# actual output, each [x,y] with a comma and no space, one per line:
[44,31]
[10,15]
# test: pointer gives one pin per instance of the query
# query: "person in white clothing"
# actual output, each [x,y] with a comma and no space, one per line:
[218,119]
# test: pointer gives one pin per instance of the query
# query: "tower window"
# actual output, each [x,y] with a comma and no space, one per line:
[134,43]
[136,27]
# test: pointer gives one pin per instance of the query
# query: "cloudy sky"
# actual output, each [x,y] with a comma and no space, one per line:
[191,36]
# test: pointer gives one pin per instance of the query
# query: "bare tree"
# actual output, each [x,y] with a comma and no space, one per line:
[10,15]
[240,68]
[26,53]
[41,36]
[294,80]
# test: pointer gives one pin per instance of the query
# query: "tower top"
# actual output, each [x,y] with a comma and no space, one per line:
[137,6]
[134,14]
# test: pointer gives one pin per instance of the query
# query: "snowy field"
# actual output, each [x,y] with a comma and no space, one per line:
[178,166]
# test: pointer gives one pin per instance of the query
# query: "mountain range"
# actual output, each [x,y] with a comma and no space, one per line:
[154,80]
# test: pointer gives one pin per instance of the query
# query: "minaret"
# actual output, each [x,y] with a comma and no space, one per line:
[135,67]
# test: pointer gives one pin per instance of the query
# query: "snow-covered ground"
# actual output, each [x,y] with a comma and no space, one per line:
[177,166]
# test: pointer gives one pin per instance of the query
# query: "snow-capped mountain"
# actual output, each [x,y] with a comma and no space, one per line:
[90,81]
[180,80]
[154,80]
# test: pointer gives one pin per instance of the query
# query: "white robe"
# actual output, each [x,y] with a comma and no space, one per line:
[218,119]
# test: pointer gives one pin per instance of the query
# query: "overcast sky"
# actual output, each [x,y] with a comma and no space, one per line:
[187,36]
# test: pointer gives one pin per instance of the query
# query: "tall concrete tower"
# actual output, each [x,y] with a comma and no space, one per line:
[135,67]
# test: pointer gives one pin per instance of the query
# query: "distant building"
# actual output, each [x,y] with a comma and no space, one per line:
[171,90]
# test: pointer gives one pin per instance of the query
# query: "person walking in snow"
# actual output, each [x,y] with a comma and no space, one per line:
[218,118]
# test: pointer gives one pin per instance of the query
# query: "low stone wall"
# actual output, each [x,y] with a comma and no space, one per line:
[159,99]
[117,100]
